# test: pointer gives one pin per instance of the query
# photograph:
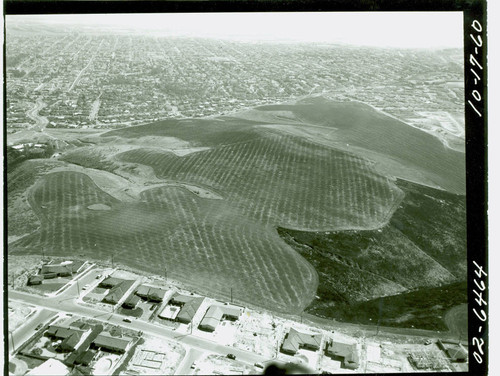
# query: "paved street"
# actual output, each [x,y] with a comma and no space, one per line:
[191,356]
[25,331]
[65,303]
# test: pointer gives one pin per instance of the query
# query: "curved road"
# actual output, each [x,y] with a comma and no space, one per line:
[41,121]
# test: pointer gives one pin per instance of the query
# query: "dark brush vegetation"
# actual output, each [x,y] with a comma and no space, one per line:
[16,157]
[422,309]
[89,159]
[422,249]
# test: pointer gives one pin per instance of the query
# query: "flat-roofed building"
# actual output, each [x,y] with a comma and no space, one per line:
[295,340]
[59,270]
[169,312]
[51,367]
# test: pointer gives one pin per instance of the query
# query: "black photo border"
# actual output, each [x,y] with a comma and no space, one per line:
[474,13]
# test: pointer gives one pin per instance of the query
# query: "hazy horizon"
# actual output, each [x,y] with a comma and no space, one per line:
[372,29]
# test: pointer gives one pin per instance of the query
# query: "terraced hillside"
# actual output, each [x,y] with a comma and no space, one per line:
[401,150]
[282,180]
[203,198]
[199,241]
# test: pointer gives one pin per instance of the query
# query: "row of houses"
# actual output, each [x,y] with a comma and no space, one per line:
[119,287]
[49,271]
[182,308]
[346,353]
[82,342]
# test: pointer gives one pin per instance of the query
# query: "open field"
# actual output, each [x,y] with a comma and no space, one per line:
[206,205]
[196,239]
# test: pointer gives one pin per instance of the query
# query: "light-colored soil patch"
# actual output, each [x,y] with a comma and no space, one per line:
[98,207]
[275,116]
[156,357]
[18,312]
[221,365]
[266,329]
[201,192]
[129,181]
[104,365]
[187,151]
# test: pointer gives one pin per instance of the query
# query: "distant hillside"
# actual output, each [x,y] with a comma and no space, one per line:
[400,149]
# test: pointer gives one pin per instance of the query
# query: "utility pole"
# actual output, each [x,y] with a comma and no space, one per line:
[12,339]
[112,260]
[380,308]
[231,294]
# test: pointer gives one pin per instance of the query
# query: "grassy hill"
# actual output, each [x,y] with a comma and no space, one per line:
[420,156]
[262,177]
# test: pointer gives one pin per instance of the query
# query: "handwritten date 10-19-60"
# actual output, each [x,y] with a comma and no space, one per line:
[475,65]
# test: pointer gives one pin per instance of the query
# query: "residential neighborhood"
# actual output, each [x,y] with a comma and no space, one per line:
[105,320]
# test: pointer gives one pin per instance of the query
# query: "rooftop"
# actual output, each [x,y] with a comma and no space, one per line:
[295,340]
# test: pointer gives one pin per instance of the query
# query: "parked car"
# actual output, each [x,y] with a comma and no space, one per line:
[259,365]
[127,320]
[231,356]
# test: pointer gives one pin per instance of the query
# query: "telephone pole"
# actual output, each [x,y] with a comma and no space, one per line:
[12,339]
